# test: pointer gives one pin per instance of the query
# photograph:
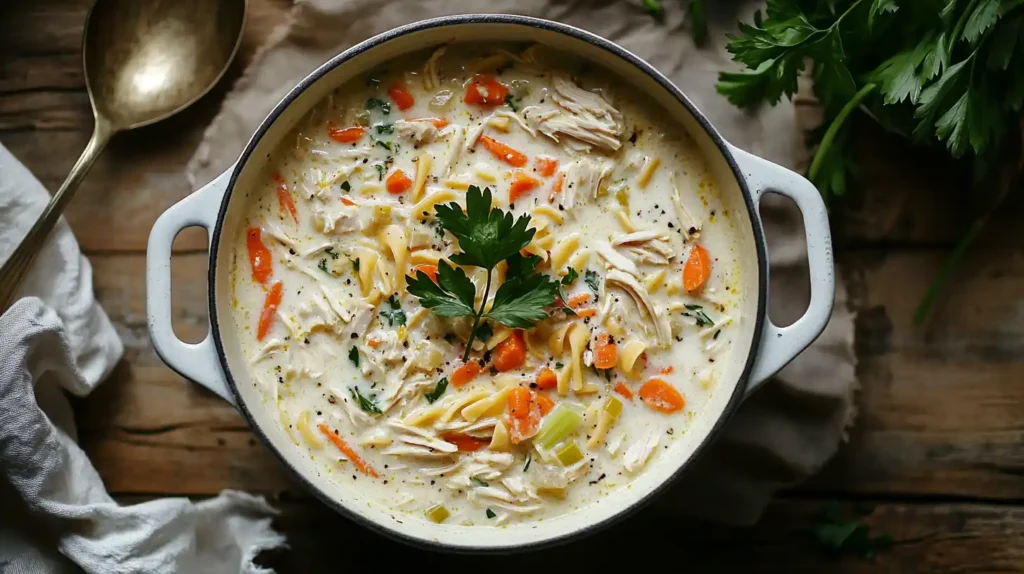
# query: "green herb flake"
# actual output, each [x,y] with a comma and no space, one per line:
[353,355]
[484,332]
[393,312]
[510,101]
[330,251]
[490,513]
[383,105]
[322,265]
[570,276]
[559,365]
[346,186]
[367,405]
[697,312]
[385,145]
[478,481]
[384,128]
[655,9]
[380,171]
[529,459]
[593,280]
[439,390]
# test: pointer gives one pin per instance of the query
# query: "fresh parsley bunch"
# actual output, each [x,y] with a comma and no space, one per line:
[949,71]
[487,236]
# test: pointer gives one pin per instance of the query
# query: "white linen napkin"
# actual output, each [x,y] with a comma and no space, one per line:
[789,428]
[57,339]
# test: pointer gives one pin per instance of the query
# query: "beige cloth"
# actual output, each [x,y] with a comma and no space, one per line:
[787,430]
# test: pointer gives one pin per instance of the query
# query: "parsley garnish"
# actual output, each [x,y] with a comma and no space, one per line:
[346,186]
[698,22]
[323,265]
[559,365]
[698,314]
[385,145]
[384,128]
[478,481]
[435,394]
[380,171]
[655,9]
[353,355]
[529,459]
[593,280]
[385,106]
[570,276]
[364,403]
[330,251]
[840,535]
[490,513]
[510,101]
[393,312]
[487,236]
[484,332]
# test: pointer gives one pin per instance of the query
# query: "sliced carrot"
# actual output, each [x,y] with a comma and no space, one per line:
[347,201]
[510,353]
[398,182]
[697,269]
[577,301]
[605,352]
[284,199]
[350,454]
[374,342]
[623,390]
[547,379]
[586,312]
[661,396]
[519,402]
[464,442]
[439,123]
[503,152]
[270,304]
[401,96]
[546,165]
[544,403]
[485,91]
[667,370]
[260,260]
[522,184]
[556,187]
[429,270]
[465,373]
[345,135]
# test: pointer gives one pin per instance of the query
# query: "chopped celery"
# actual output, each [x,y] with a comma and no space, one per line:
[438,513]
[613,407]
[569,454]
[559,423]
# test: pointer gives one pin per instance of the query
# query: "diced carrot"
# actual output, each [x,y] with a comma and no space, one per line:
[546,166]
[374,342]
[465,373]
[623,390]
[350,454]
[260,260]
[519,402]
[510,353]
[667,370]
[547,379]
[697,269]
[544,403]
[345,135]
[590,312]
[270,304]
[464,442]
[661,396]
[503,152]
[398,182]
[556,187]
[401,96]
[485,91]
[284,199]
[522,184]
[439,123]
[347,201]
[577,301]
[429,270]
[605,352]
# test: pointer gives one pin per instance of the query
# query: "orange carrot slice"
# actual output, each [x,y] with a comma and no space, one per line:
[401,96]
[586,312]
[605,352]
[345,135]
[347,201]
[465,373]
[556,187]
[270,304]
[546,165]
[544,403]
[522,184]
[464,442]
[510,353]
[577,301]
[547,379]
[519,402]
[398,182]
[503,152]
[284,199]
[260,260]
[697,269]
[485,91]
[661,396]
[623,390]
[349,452]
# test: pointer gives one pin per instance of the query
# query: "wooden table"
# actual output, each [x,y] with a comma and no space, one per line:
[939,442]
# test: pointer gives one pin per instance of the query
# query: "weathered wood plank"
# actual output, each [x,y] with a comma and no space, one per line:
[927,538]
[940,413]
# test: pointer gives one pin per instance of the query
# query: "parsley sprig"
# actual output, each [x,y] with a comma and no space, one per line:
[487,236]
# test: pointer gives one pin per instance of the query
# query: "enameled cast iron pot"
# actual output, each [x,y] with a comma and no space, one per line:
[760,348]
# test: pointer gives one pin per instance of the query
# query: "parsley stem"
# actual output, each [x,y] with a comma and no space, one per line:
[833,129]
[476,321]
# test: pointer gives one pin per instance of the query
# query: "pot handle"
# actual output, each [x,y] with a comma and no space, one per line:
[197,362]
[779,345]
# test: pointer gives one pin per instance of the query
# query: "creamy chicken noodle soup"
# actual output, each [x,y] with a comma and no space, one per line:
[486,287]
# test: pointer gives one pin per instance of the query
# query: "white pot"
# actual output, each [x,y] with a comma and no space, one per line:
[760,348]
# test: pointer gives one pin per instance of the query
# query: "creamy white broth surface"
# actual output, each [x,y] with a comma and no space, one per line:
[350,360]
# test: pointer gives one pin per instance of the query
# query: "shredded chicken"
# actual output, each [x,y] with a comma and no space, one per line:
[648,246]
[616,259]
[584,117]
[583,180]
[630,285]
[637,453]
[416,131]
[431,75]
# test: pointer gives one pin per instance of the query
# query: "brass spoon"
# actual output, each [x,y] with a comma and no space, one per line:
[144,61]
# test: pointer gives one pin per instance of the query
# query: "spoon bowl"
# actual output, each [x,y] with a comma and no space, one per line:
[144,61]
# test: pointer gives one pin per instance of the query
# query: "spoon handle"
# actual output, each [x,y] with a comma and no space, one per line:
[16,268]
